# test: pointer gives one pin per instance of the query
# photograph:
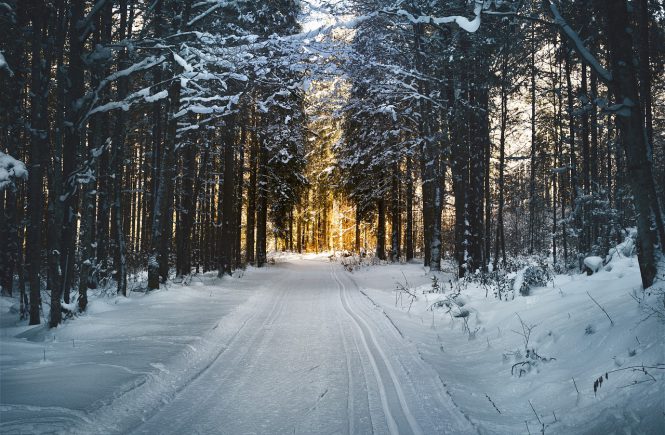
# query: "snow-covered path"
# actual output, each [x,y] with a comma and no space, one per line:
[315,356]
[305,347]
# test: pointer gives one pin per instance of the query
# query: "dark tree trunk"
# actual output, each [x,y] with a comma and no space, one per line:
[37,153]
[409,210]
[459,182]
[117,165]
[167,181]
[157,157]
[631,127]
[532,168]
[500,245]
[14,141]
[237,209]
[571,131]
[381,229]
[357,229]
[72,146]
[251,200]
[228,201]
[54,231]
[585,244]
[262,206]
[395,223]
[187,210]
[479,137]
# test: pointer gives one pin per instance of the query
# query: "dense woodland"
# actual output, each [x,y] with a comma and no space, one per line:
[164,138]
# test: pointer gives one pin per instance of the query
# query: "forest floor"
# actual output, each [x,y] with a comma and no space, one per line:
[304,346]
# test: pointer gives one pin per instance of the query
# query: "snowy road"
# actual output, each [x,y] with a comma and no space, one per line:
[305,347]
[315,356]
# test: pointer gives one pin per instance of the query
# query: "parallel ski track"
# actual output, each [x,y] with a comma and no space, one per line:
[274,312]
[377,357]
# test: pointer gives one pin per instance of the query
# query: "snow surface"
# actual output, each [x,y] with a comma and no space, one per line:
[306,347]
[56,380]
[475,363]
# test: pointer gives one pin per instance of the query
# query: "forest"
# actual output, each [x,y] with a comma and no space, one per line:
[177,137]
[170,166]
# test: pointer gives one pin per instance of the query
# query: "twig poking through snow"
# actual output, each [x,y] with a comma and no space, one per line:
[599,306]
[536,414]
[492,402]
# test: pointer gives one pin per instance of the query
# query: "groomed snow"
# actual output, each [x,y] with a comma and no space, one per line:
[305,347]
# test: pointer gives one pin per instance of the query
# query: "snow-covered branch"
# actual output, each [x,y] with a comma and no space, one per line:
[469,25]
[10,170]
[4,65]
[581,49]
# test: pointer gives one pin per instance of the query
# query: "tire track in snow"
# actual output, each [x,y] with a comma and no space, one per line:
[378,358]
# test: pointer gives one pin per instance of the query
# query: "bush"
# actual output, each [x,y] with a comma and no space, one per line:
[534,276]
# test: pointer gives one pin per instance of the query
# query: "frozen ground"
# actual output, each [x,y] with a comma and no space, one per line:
[305,347]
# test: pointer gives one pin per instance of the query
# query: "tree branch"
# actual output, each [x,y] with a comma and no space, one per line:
[573,37]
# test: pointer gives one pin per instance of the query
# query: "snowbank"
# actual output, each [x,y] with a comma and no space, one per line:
[537,360]
[122,354]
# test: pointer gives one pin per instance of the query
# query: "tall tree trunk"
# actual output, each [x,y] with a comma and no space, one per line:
[54,231]
[72,146]
[117,164]
[167,181]
[584,244]
[571,133]
[237,209]
[479,142]
[395,223]
[532,172]
[14,141]
[262,206]
[357,229]
[631,126]
[228,201]
[37,152]
[500,245]
[594,159]
[381,229]
[251,198]
[644,50]
[409,210]
[187,211]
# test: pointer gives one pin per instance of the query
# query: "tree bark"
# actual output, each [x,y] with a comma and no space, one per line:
[262,206]
[251,198]
[631,126]
[409,210]
[228,195]
[395,223]
[381,229]
[37,152]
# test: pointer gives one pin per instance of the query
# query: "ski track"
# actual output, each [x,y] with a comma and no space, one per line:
[389,386]
[308,354]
